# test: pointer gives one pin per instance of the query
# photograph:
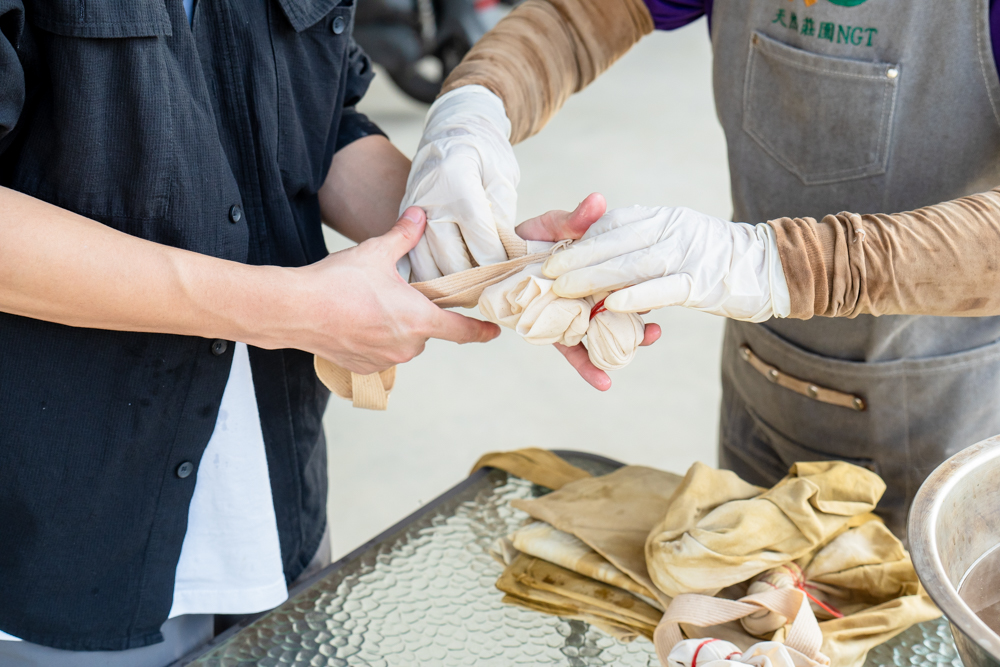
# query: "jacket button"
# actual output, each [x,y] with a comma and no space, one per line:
[235,213]
[185,469]
[338,25]
[219,347]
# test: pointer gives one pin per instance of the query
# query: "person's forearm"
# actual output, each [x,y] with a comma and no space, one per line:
[545,51]
[361,195]
[938,260]
[65,268]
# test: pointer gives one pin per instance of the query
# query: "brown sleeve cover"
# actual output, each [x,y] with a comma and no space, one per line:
[546,50]
[939,260]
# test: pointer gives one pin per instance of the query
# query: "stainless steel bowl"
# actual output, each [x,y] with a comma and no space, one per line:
[954,520]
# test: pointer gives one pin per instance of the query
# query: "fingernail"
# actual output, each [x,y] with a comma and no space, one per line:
[412,215]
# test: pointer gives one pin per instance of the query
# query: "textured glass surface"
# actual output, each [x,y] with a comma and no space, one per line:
[425,596]
[929,643]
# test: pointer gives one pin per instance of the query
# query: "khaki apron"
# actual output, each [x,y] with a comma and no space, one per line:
[864,106]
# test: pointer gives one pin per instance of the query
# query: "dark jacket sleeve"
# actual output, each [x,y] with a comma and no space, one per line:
[14,48]
[353,124]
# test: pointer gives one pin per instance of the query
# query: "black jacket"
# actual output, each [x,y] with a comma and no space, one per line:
[214,138]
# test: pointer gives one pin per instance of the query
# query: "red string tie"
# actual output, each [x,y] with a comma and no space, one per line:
[694,658]
[598,309]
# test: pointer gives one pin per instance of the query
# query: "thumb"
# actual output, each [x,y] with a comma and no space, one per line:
[560,225]
[404,235]
[673,290]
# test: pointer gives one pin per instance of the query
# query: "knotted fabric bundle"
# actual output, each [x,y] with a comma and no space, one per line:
[526,303]
[513,294]
[718,653]
[860,568]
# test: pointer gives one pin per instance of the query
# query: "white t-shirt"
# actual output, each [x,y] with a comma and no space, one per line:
[230,560]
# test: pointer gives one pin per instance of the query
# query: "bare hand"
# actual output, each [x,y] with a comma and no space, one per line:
[560,225]
[364,317]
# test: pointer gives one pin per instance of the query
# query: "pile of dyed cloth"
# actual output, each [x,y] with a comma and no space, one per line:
[641,552]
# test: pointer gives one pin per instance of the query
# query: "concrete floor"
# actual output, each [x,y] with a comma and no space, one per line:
[643,133]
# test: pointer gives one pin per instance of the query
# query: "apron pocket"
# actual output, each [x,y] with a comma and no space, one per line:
[824,119]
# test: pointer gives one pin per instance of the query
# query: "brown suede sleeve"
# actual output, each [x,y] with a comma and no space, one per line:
[546,50]
[939,260]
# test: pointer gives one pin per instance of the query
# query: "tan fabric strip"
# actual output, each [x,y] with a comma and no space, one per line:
[546,50]
[538,466]
[804,637]
[371,392]
[938,260]
[803,387]
[463,289]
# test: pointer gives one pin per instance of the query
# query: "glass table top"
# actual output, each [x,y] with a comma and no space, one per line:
[422,593]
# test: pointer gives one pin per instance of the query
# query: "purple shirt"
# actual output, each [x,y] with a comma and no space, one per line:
[672,14]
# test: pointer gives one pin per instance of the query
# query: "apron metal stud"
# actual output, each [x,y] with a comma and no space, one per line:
[859,404]
[745,352]
[813,391]
[773,375]
[892,73]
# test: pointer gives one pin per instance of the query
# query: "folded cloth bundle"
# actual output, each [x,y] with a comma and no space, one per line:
[612,515]
[728,560]
[531,581]
[513,294]
[526,303]
[540,540]
[720,653]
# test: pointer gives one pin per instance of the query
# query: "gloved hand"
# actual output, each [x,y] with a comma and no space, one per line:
[464,176]
[675,257]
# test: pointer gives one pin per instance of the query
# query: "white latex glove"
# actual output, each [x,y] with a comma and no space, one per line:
[675,257]
[464,176]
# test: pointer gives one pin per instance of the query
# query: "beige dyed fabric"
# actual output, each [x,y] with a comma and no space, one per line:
[849,264]
[860,568]
[546,50]
[535,580]
[719,530]
[539,466]
[612,514]
[847,640]
[541,540]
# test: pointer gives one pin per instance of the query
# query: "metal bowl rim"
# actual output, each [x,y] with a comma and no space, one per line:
[927,560]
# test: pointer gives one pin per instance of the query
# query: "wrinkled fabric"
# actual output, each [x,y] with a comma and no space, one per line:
[713,532]
[720,653]
[539,466]
[536,580]
[847,640]
[694,652]
[859,568]
[611,514]
[720,530]
[540,540]
[526,303]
